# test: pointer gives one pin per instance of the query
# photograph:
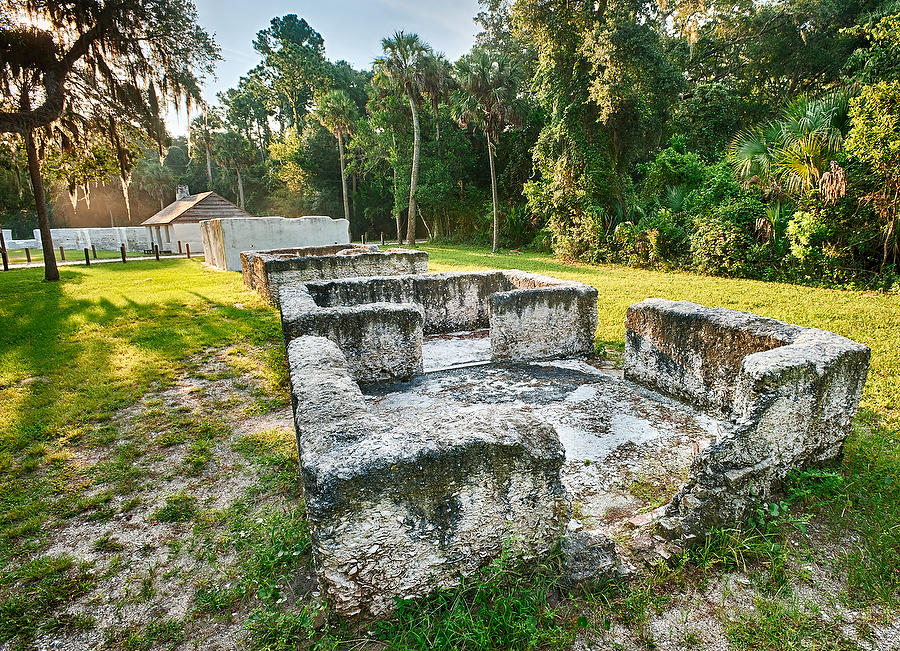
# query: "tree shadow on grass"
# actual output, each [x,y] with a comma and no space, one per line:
[66,360]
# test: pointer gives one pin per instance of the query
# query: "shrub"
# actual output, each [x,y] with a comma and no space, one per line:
[722,237]
[672,168]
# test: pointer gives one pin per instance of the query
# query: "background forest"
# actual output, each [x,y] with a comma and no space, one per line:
[753,139]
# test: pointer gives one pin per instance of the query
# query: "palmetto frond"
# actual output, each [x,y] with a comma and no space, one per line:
[796,149]
[336,112]
[404,61]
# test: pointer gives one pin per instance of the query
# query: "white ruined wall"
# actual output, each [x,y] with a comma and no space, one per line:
[12,243]
[186,234]
[231,236]
[135,238]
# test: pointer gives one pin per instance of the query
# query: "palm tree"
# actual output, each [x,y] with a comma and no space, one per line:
[234,152]
[203,132]
[488,88]
[336,112]
[404,63]
[436,86]
[796,150]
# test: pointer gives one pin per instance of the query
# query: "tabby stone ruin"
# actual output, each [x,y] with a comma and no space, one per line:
[441,417]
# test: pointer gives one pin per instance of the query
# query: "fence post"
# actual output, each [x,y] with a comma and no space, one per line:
[28,255]
[156,251]
[94,250]
[62,253]
[188,247]
[382,238]
[122,251]
[87,257]
[179,247]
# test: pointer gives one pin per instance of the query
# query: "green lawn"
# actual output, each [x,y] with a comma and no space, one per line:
[112,408]
[17,256]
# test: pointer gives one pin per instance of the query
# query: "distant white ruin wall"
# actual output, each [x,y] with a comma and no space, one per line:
[224,239]
[135,238]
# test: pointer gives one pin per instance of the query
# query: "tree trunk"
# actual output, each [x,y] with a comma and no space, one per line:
[340,139]
[209,166]
[126,182]
[51,272]
[494,196]
[437,129]
[414,176]
[240,187]
[353,190]
[394,204]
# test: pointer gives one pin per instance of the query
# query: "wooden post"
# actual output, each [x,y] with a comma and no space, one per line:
[382,238]
[156,251]
[87,256]
[187,246]
[28,255]
[122,251]
[179,247]
[94,250]
[62,254]
[363,238]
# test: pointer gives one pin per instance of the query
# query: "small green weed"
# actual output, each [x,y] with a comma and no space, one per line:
[35,589]
[779,625]
[179,507]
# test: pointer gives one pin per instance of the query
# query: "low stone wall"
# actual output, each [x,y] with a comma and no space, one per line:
[541,318]
[225,239]
[266,271]
[398,512]
[135,238]
[789,392]
[381,341]
[451,301]
[530,316]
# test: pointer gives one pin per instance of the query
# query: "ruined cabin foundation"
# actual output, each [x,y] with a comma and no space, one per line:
[441,417]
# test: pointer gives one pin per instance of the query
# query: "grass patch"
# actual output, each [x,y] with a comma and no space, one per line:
[42,585]
[505,606]
[270,544]
[161,634]
[783,625]
[179,507]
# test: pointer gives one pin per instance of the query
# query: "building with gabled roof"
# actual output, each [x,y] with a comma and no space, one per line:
[179,222]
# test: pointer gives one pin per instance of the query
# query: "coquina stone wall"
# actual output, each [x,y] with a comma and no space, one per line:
[266,271]
[378,323]
[397,512]
[790,394]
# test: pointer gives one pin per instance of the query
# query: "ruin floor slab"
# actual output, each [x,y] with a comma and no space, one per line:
[628,449]
[455,349]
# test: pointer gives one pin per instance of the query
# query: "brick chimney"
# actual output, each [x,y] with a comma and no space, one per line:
[181,192]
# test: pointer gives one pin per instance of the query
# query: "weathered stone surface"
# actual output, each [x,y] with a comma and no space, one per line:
[452,301]
[397,511]
[267,271]
[380,341]
[530,316]
[589,558]
[542,318]
[790,393]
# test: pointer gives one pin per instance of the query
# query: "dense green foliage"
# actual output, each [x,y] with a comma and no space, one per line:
[757,139]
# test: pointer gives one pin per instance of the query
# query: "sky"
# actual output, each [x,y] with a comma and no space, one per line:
[352,30]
